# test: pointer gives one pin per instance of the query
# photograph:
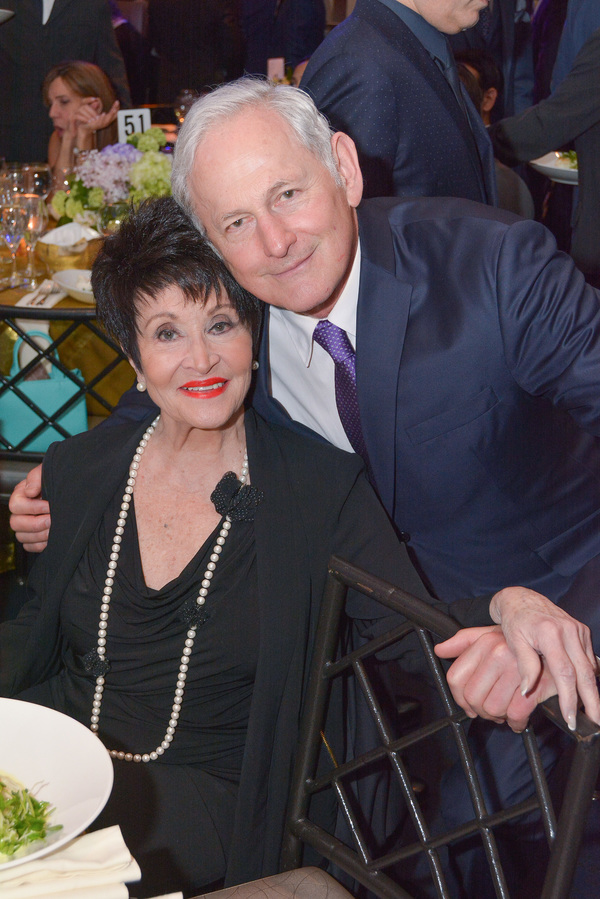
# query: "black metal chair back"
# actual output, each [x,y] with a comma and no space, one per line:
[77,320]
[373,871]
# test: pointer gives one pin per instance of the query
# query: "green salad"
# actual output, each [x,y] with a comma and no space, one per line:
[23,819]
[568,159]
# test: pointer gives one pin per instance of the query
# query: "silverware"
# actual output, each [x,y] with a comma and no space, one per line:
[43,293]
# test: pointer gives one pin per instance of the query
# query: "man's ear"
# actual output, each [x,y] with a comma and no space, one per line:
[489,99]
[346,158]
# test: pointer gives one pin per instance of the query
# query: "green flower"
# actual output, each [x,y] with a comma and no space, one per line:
[58,202]
[153,139]
[95,197]
[150,176]
[73,207]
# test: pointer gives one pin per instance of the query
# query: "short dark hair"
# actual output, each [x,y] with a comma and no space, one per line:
[488,72]
[471,83]
[157,247]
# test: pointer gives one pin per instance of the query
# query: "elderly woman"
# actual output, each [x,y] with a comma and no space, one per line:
[83,107]
[174,608]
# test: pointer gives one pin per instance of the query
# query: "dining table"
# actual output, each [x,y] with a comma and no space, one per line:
[79,340]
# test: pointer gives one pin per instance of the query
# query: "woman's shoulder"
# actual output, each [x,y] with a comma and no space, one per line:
[92,453]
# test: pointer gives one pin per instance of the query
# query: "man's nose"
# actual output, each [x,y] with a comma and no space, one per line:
[276,236]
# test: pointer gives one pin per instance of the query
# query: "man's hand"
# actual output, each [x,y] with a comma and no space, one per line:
[540,651]
[485,679]
[30,514]
[534,627]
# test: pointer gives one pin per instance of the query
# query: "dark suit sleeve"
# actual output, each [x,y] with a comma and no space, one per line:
[558,120]
[550,323]
[365,537]
[363,104]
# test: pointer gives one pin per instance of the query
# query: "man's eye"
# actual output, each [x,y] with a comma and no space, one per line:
[288,194]
[237,224]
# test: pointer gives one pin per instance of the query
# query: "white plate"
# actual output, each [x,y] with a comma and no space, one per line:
[550,166]
[58,760]
[69,278]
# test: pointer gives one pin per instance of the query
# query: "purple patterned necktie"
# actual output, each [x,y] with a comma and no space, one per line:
[335,342]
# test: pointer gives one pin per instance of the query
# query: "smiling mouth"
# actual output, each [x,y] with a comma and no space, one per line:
[205,389]
[291,269]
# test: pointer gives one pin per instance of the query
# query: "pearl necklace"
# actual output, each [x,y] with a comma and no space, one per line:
[105,605]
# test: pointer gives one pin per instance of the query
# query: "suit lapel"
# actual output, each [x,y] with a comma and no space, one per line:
[383,307]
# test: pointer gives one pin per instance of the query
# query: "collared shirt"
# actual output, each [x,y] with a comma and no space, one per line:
[302,372]
[433,40]
[47,9]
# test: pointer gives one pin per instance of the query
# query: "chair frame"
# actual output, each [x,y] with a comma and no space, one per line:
[564,837]
[79,318]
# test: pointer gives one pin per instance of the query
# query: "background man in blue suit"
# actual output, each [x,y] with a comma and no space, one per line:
[386,76]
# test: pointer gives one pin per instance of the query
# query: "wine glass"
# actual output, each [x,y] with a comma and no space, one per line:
[13,219]
[112,216]
[12,182]
[184,100]
[37,179]
[37,220]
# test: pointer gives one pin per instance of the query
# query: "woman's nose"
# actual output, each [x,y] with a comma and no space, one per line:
[201,356]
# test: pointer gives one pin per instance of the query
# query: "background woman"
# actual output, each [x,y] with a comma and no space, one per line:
[154,581]
[83,107]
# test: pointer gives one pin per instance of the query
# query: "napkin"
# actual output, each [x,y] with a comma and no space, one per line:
[93,866]
[45,296]
[69,235]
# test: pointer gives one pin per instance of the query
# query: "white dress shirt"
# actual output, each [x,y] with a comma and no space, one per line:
[48,4]
[302,372]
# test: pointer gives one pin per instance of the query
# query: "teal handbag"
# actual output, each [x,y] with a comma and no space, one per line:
[17,420]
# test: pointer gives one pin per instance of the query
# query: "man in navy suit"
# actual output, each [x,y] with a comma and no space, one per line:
[386,76]
[477,351]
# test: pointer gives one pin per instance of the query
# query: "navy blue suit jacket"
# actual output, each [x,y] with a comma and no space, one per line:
[478,377]
[374,80]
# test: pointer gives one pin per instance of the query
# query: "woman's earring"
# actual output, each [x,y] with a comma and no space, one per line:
[141,386]
[255,365]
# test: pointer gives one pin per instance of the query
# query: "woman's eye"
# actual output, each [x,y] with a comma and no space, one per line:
[288,194]
[166,334]
[220,327]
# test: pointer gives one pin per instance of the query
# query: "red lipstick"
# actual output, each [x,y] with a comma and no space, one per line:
[206,389]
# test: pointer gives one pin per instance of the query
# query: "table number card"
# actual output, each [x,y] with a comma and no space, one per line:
[276,68]
[132,121]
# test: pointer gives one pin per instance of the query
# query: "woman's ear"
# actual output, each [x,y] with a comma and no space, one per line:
[346,158]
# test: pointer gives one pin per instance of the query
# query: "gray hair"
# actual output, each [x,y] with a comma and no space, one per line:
[293,105]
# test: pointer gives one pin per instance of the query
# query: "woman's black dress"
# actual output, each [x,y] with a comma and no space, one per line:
[176,813]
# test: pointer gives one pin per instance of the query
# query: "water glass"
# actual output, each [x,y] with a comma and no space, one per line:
[13,220]
[37,179]
[12,182]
